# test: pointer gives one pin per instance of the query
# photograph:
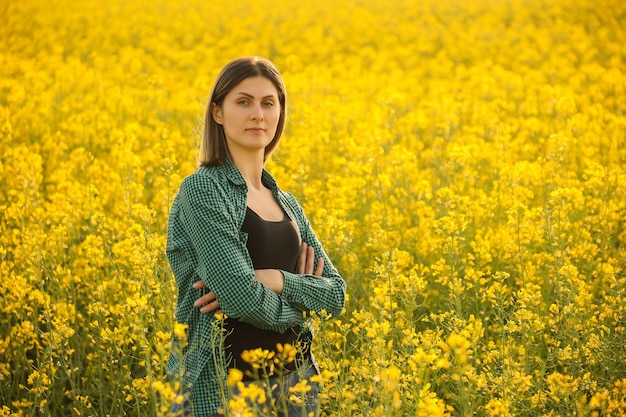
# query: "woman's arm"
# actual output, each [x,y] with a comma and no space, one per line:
[271,278]
[306,291]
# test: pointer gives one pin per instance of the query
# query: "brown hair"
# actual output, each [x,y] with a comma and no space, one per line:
[213,148]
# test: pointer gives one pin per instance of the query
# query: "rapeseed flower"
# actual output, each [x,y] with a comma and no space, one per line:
[463,163]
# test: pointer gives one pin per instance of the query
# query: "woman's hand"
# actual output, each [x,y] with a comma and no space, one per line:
[306,262]
[208,303]
[271,278]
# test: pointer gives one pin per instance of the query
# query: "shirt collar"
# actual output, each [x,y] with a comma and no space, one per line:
[232,173]
[235,177]
[268,180]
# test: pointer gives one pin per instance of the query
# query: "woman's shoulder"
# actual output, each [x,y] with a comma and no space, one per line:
[203,176]
[206,180]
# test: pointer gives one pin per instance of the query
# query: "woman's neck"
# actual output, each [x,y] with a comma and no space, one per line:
[251,168]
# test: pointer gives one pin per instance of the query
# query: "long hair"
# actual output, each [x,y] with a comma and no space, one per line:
[213,147]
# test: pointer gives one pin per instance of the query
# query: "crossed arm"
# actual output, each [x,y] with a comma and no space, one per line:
[271,278]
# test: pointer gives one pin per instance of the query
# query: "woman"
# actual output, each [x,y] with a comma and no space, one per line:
[238,244]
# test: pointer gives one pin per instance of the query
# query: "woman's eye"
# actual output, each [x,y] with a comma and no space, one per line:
[268,104]
[242,102]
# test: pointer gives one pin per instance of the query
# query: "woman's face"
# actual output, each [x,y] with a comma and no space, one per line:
[249,115]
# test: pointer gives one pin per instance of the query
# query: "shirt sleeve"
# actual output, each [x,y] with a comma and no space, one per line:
[309,292]
[223,260]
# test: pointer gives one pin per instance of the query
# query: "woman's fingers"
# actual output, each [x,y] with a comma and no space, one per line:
[306,261]
[320,267]
[310,260]
[208,302]
[301,268]
[199,284]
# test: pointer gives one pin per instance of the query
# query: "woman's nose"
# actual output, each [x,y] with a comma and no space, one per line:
[257,112]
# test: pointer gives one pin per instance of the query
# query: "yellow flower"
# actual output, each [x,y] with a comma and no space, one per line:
[390,377]
[473,201]
[180,330]
[234,376]
[259,358]
[285,354]
[251,392]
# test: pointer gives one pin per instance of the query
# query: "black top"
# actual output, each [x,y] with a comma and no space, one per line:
[272,245]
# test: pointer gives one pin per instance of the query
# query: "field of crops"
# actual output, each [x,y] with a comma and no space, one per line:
[463,162]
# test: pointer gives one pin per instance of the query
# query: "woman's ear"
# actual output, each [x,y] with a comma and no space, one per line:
[216,112]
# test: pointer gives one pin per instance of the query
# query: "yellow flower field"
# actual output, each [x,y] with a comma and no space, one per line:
[463,162]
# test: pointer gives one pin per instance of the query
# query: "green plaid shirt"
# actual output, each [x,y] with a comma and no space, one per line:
[205,242]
